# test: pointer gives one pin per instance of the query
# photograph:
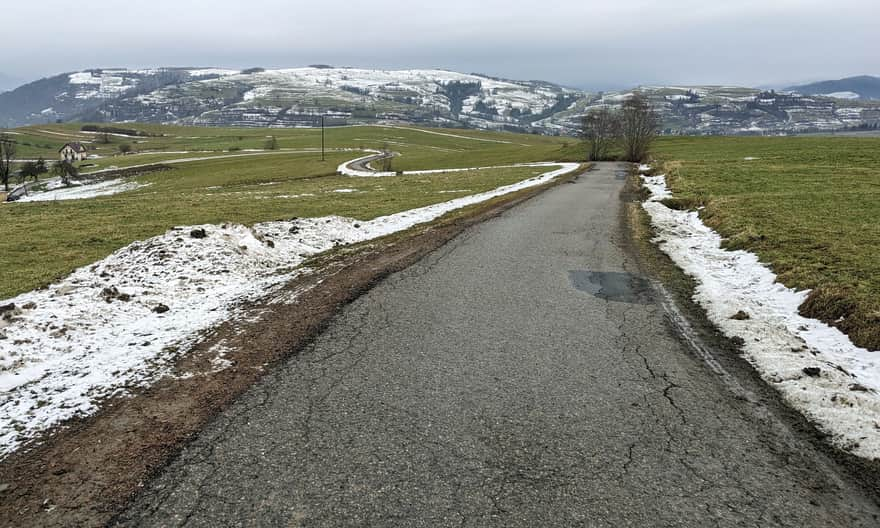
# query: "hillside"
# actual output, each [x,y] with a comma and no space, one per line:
[67,96]
[298,97]
[7,82]
[726,110]
[284,98]
[861,87]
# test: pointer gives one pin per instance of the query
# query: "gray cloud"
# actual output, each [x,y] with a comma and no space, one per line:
[576,42]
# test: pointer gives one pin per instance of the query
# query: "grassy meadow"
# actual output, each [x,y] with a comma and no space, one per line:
[808,206]
[43,241]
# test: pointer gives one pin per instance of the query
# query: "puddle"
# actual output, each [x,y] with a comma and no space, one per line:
[612,286]
[621,175]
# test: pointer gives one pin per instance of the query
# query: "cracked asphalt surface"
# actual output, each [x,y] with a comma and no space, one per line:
[523,375]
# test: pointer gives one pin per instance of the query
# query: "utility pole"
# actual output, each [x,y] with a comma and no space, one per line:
[322,138]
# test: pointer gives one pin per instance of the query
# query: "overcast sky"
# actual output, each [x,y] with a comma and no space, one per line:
[583,43]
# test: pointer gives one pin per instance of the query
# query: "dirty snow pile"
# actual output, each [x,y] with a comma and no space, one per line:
[83,191]
[119,323]
[815,367]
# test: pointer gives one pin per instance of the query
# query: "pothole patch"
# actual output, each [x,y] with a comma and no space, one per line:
[612,286]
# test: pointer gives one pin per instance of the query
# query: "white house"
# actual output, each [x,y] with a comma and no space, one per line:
[73,152]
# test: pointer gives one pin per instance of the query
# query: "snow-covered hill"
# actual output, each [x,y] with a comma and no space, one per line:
[861,87]
[289,97]
[301,96]
[71,95]
[730,110]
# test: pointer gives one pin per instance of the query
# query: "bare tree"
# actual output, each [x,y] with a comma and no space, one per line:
[639,127]
[32,170]
[600,129]
[66,171]
[41,167]
[7,154]
[386,160]
[28,170]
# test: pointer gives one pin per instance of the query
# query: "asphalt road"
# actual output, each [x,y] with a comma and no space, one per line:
[523,375]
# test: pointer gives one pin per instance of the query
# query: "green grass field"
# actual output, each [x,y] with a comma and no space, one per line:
[808,206]
[423,149]
[43,241]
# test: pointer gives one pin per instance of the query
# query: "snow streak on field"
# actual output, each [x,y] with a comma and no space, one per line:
[84,191]
[816,367]
[348,169]
[119,323]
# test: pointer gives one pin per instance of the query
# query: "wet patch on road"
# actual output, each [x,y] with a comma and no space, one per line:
[613,286]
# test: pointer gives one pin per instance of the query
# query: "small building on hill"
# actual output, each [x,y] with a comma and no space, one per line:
[71,152]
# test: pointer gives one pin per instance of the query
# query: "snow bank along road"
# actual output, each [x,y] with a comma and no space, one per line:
[523,375]
[118,323]
[816,367]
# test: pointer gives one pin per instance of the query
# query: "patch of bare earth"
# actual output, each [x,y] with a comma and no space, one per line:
[86,471]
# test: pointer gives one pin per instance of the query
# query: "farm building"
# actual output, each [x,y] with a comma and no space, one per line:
[73,152]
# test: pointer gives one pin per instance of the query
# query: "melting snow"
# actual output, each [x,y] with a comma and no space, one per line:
[346,168]
[82,192]
[843,95]
[213,71]
[120,322]
[779,342]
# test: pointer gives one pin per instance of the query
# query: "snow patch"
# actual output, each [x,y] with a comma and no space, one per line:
[843,95]
[213,71]
[842,399]
[347,169]
[82,191]
[120,323]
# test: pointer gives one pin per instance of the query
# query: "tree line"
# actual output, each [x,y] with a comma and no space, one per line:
[633,128]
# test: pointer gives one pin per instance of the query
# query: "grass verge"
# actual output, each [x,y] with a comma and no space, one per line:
[807,206]
[779,420]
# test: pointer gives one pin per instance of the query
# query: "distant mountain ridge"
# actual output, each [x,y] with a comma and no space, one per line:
[8,83]
[289,97]
[70,95]
[860,87]
[299,97]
